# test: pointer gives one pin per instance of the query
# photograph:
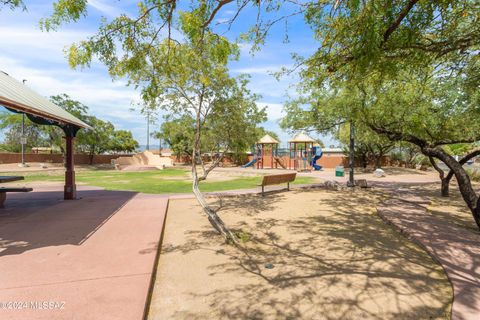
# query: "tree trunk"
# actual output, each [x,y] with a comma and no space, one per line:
[444,180]
[364,160]
[445,189]
[214,219]
[378,161]
[468,193]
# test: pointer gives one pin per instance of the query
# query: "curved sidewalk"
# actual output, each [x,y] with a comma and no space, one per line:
[455,248]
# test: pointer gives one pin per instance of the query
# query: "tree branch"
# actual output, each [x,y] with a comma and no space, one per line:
[464,160]
[436,167]
[214,12]
[398,20]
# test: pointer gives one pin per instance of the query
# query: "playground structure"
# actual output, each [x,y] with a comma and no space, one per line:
[266,150]
[300,147]
[302,154]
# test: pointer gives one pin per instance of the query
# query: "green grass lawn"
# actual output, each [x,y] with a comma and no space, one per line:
[161,181]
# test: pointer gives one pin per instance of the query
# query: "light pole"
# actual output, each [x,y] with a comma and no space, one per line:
[148,130]
[351,160]
[22,138]
[159,138]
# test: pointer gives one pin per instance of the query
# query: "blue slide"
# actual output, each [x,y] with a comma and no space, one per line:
[251,163]
[318,154]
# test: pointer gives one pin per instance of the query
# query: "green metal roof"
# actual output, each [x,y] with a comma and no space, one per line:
[15,95]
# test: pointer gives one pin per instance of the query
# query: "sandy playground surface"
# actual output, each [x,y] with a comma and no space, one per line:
[332,256]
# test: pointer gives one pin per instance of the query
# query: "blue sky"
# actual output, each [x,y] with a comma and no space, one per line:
[28,53]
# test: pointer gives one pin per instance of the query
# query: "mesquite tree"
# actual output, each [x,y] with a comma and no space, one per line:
[421,107]
[179,65]
[408,70]
[446,178]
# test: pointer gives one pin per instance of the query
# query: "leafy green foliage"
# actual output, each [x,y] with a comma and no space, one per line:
[12,4]
[102,138]
[369,146]
[178,134]
[390,36]
[123,141]
[12,123]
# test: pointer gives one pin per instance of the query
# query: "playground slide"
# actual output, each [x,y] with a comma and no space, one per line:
[318,153]
[251,163]
[314,163]
[277,159]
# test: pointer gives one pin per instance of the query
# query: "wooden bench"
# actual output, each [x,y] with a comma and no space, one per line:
[278,179]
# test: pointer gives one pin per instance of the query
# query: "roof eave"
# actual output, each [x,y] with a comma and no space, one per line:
[20,107]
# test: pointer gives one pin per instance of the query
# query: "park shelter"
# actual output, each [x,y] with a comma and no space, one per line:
[300,147]
[266,143]
[17,97]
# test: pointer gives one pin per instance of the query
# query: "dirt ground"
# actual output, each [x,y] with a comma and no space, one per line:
[332,258]
[450,209]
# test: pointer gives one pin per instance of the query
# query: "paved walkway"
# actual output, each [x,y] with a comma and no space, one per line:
[91,258]
[455,248]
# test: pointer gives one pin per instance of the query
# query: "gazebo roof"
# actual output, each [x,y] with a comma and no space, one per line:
[15,95]
[302,137]
[267,139]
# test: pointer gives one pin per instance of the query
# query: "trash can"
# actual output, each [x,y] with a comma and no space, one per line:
[339,171]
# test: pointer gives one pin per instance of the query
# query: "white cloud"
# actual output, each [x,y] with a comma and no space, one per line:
[267,70]
[106,9]
[274,110]
[27,36]
[222,20]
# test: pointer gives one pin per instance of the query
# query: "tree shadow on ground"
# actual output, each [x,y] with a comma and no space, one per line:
[445,227]
[332,257]
[452,209]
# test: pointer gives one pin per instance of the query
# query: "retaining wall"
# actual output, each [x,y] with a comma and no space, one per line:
[58,158]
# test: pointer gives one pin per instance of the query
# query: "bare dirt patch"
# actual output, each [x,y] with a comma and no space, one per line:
[452,209]
[332,258]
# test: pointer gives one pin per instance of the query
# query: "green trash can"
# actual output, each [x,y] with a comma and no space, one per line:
[339,171]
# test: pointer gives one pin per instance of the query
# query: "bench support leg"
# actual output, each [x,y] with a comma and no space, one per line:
[288,186]
[70,190]
[263,190]
[3,197]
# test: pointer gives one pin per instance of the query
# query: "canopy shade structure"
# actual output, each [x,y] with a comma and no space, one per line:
[267,139]
[15,95]
[302,137]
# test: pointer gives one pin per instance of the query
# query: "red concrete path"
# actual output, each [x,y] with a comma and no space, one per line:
[455,248]
[96,255]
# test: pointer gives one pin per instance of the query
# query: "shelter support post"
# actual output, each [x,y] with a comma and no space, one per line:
[70,189]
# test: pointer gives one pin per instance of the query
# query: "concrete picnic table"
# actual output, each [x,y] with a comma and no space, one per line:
[4,190]
[4,179]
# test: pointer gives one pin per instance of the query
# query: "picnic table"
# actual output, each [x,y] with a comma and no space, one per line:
[4,179]
[4,190]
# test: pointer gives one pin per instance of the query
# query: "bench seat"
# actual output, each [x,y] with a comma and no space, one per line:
[3,193]
[277,179]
